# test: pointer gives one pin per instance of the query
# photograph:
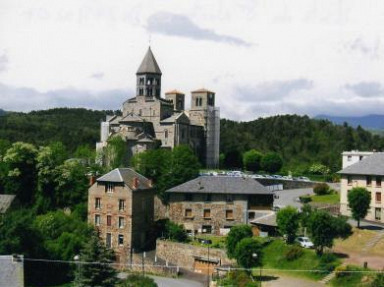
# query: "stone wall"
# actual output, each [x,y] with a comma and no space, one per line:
[183,255]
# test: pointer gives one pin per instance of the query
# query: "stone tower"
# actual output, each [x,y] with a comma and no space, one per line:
[148,77]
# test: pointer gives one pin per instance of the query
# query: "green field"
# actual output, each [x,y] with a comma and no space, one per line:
[328,198]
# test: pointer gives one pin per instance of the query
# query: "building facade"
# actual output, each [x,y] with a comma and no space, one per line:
[121,207]
[210,204]
[367,173]
[149,121]
[354,156]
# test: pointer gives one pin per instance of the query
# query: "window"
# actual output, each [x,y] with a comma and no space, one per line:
[121,222]
[109,187]
[197,102]
[361,157]
[188,197]
[349,180]
[121,239]
[206,229]
[349,158]
[188,213]
[208,197]
[141,81]
[207,214]
[378,213]
[108,240]
[166,134]
[229,198]
[109,220]
[121,204]
[369,180]
[97,202]
[378,181]
[229,214]
[97,219]
[140,111]
[378,197]
[200,102]
[141,92]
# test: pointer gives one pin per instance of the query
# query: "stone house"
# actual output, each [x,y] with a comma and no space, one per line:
[149,120]
[121,207]
[367,173]
[213,204]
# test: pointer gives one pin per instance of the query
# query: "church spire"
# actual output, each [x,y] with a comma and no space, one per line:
[148,77]
[149,64]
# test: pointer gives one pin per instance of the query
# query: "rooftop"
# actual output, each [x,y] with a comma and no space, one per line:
[149,64]
[202,91]
[371,165]
[5,202]
[126,176]
[221,184]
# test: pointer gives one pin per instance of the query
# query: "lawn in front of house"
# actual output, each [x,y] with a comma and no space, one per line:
[332,198]
[356,242]
[353,277]
[217,241]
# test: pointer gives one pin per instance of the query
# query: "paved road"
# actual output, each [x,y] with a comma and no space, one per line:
[171,282]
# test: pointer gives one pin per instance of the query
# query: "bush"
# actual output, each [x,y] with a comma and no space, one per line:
[340,271]
[138,281]
[328,262]
[321,189]
[294,252]
[305,199]
[378,281]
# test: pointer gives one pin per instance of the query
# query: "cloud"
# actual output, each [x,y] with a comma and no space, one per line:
[365,47]
[181,26]
[97,76]
[26,99]
[3,62]
[367,89]
[271,91]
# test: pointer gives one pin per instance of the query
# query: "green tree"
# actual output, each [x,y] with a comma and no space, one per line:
[97,269]
[271,162]
[248,253]
[115,154]
[237,233]
[324,228]
[252,160]
[359,200]
[22,172]
[288,222]
[137,281]
[175,232]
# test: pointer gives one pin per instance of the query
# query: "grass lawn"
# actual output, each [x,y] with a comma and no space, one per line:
[353,279]
[356,242]
[328,198]
[274,258]
[217,241]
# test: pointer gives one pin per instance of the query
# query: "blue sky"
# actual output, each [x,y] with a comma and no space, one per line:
[261,57]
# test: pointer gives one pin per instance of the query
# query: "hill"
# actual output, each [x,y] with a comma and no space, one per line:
[301,141]
[375,122]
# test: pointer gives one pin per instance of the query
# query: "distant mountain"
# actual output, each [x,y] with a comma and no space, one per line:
[2,112]
[375,122]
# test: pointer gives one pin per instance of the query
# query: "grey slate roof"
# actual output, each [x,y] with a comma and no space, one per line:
[221,184]
[5,202]
[371,165]
[149,64]
[266,219]
[176,117]
[11,271]
[131,118]
[126,176]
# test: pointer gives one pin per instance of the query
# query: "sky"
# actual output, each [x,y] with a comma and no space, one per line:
[261,57]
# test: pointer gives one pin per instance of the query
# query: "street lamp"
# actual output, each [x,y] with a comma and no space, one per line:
[77,258]
[254,256]
[208,279]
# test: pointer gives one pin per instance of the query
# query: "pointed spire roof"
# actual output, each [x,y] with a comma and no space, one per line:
[149,64]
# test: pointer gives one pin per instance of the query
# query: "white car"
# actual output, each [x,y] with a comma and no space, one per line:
[304,242]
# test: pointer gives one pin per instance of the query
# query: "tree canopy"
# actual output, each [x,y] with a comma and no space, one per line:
[235,235]
[288,222]
[359,200]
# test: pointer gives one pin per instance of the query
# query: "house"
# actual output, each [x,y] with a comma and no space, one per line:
[354,156]
[149,120]
[12,270]
[213,204]
[121,207]
[368,173]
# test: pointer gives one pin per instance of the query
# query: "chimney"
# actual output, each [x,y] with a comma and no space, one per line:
[135,182]
[92,179]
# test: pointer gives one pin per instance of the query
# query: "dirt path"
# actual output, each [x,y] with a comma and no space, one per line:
[355,258]
[283,281]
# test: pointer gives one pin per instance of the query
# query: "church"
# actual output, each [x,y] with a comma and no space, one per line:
[150,121]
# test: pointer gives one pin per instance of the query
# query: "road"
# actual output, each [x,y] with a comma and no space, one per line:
[171,282]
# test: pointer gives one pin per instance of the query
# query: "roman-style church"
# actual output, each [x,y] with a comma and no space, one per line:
[151,121]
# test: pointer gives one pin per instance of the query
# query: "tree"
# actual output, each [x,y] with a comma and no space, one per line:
[288,222]
[175,232]
[137,281]
[115,152]
[359,200]
[248,253]
[271,162]
[97,270]
[237,233]
[324,228]
[252,160]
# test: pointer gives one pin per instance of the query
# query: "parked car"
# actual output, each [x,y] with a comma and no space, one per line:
[303,178]
[304,242]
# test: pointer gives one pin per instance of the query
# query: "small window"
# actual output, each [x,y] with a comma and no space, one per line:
[108,240]
[109,220]
[361,157]
[121,222]
[378,181]
[229,198]
[369,180]
[349,180]
[188,197]
[229,214]
[141,92]
[97,202]
[121,204]
[207,213]
[206,229]
[140,111]
[200,102]
[121,239]
[141,81]
[109,187]
[378,197]
[349,158]
[97,219]
[208,197]
[166,134]
[188,213]
[197,102]
[378,213]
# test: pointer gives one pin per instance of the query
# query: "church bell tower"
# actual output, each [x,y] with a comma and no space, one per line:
[148,77]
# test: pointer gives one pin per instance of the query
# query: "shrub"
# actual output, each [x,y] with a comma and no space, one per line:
[378,281]
[321,189]
[138,281]
[340,271]
[305,199]
[328,262]
[294,252]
